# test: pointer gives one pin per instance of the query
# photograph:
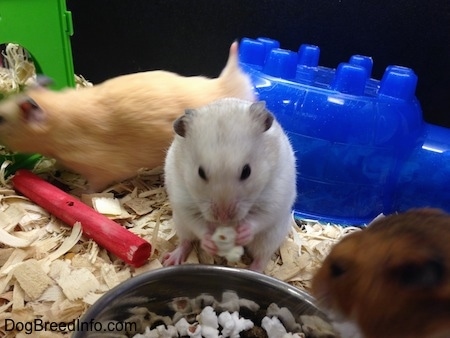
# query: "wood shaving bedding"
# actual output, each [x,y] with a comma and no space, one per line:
[50,271]
[17,69]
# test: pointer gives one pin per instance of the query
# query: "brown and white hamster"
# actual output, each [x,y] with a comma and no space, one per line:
[230,164]
[109,131]
[393,278]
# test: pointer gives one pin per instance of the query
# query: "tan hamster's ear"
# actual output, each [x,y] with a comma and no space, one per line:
[261,114]
[44,81]
[31,112]
[179,126]
[420,275]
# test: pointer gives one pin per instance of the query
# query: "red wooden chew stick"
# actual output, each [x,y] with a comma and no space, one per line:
[107,233]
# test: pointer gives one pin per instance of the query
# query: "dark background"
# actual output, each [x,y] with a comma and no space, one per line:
[192,37]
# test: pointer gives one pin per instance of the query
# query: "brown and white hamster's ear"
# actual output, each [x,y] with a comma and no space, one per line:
[261,114]
[426,212]
[30,110]
[179,126]
[419,275]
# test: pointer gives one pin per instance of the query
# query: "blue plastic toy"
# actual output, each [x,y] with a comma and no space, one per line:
[362,145]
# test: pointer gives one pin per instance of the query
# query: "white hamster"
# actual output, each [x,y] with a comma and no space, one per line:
[230,164]
[109,131]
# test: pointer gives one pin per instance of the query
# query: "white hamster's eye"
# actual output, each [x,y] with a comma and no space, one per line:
[246,171]
[202,174]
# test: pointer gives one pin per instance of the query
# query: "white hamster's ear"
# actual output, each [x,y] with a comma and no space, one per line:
[31,112]
[261,114]
[179,126]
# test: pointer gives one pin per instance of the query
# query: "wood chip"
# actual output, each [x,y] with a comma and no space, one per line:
[11,216]
[77,283]
[32,278]
[109,275]
[107,206]
[17,257]
[5,253]
[87,198]
[140,205]
[68,243]
[18,297]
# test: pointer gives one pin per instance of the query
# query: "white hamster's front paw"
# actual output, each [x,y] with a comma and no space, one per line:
[208,244]
[179,255]
[245,233]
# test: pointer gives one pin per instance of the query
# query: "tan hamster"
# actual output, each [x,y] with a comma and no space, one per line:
[393,278]
[230,164]
[109,131]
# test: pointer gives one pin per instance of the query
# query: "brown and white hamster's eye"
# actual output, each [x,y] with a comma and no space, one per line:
[337,269]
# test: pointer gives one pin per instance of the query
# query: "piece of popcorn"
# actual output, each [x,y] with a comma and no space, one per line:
[285,316]
[195,331]
[208,317]
[224,237]
[273,327]
[182,326]
[232,324]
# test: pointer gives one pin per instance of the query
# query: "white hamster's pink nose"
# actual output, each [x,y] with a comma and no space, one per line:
[224,213]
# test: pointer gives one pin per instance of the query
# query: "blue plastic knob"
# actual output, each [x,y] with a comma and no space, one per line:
[281,63]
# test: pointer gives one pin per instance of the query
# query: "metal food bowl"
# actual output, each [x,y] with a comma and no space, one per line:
[154,290]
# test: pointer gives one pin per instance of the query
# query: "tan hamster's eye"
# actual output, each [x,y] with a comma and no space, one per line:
[202,174]
[337,269]
[246,171]
[2,119]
